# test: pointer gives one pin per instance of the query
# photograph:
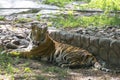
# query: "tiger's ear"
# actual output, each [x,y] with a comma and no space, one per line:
[34,24]
[45,28]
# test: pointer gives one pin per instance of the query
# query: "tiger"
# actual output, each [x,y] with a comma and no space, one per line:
[43,47]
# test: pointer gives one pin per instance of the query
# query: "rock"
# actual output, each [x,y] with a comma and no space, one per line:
[114,58]
[11,46]
[114,54]
[104,47]
[21,35]
[85,41]
[94,46]
[24,43]
[69,38]
[63,36]
[76,40]
[16,42]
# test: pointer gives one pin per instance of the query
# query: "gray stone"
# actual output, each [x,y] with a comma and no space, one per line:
[104,47]
[76,40]
[94,50]
[63,36]
[24,43]
[104,42]
[114,58]
[16,42]
[11,46]
[115,45]
[114,54]
[94,45]
[69,38]
[21,35]
[103,53]
[94,41]
[81,42]
[85,41]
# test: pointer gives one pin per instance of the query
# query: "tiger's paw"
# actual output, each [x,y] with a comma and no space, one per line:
[64,65]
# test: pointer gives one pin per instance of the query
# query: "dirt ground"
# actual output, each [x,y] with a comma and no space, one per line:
[26,69]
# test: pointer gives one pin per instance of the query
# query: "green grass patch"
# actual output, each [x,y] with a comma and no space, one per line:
[60,3]
[23,20]
[102,4]
[85,21]
[6,64]
[2,18]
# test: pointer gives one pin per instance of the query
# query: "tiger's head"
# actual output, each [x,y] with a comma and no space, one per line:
[38,33]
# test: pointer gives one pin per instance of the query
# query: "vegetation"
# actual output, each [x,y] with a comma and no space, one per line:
[60,3]
[23,20]
[2,18]
[9,65]
[102,4]
[28,69]
[6,64]
[85,21]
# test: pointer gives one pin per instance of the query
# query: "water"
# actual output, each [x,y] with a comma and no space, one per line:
[20,4]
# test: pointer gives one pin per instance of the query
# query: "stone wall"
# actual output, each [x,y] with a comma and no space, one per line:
[106,49]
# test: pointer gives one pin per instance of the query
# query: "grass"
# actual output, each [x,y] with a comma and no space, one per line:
[102,4]
[99,4]
[23,20]
[59,3]
[2,18]
[85,21]
[26,69]
[8,65]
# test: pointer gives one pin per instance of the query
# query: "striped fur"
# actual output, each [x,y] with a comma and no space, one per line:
[63,55]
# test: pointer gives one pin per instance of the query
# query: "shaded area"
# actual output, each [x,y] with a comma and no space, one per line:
[18,68]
